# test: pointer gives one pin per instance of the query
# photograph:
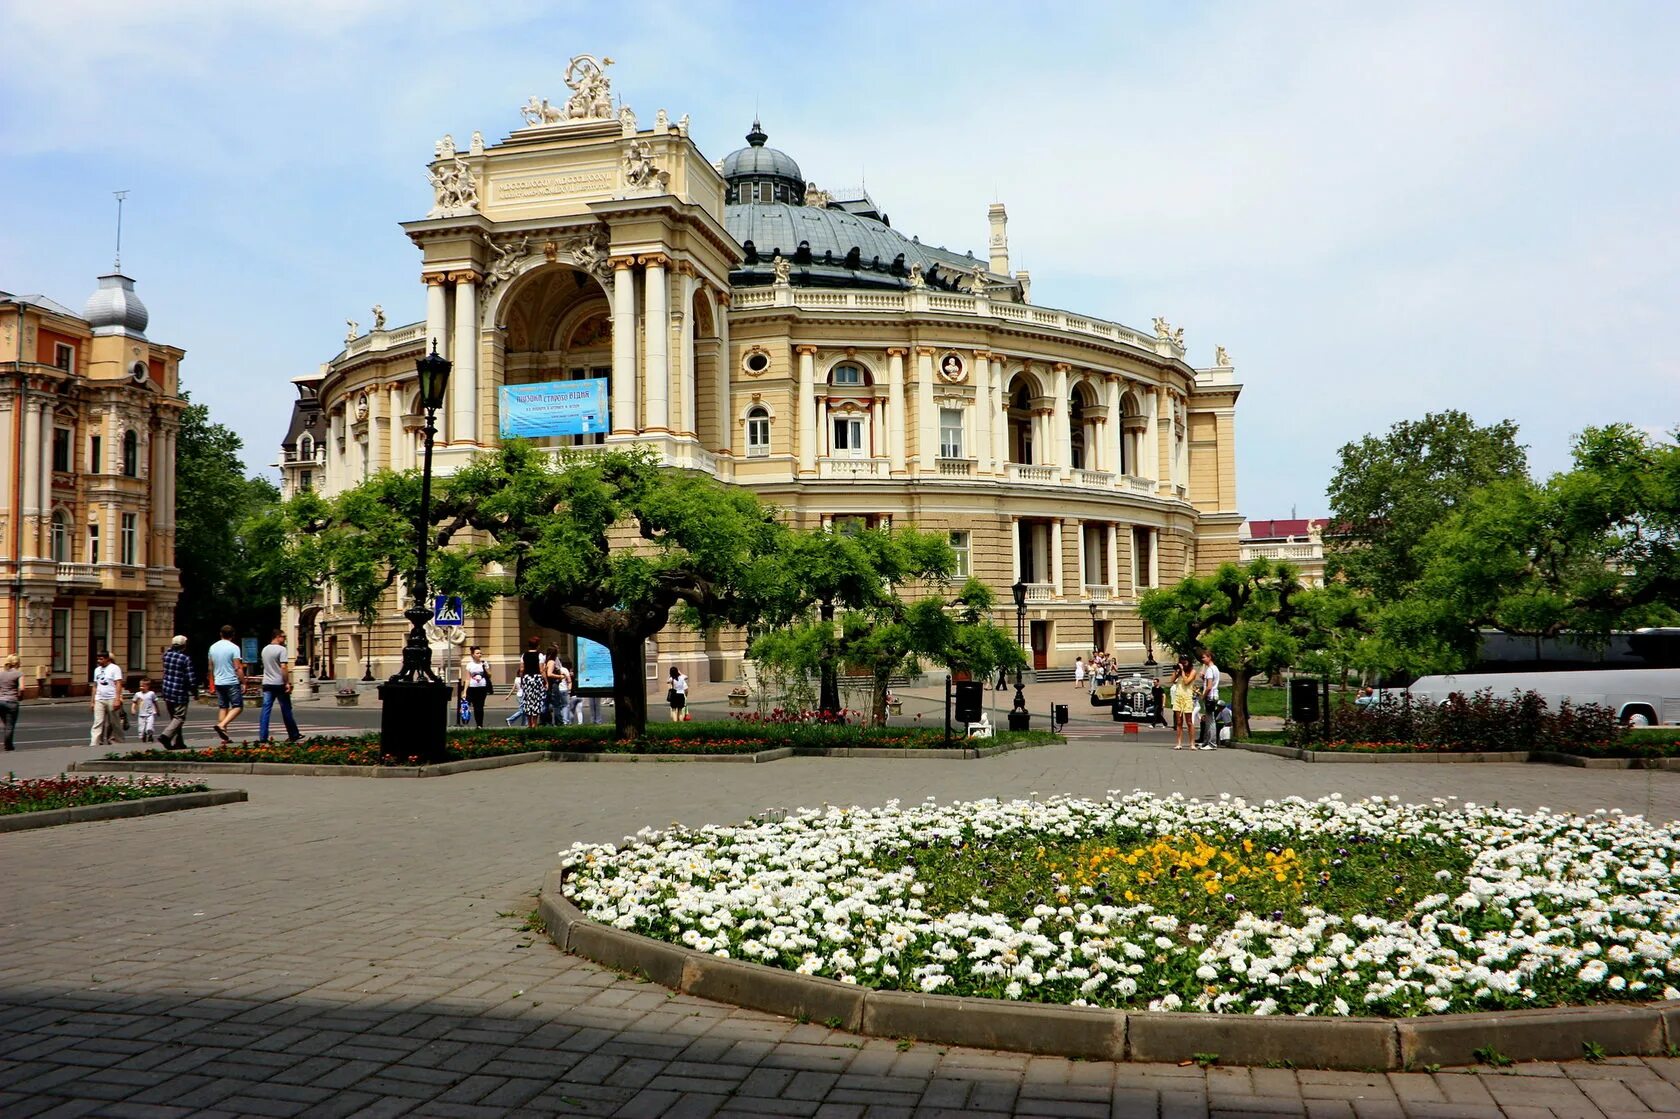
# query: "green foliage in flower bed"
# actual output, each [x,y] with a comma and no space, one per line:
[1469,723]
[46,793]
[725,737]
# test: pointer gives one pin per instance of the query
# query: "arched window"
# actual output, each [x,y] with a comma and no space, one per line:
[758,431]
[131,454]
[306,448]
[847,376]
[1076,429]
[60,537]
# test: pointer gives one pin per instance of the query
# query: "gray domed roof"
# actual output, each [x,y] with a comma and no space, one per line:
[756,159]
[115,309]
[779,227]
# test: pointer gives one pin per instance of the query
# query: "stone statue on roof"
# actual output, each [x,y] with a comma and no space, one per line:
[783,269]
[591,97]
[1221,359]
[455,192]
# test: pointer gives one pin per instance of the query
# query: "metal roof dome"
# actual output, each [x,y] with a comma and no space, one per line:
[116,309]
[756,159]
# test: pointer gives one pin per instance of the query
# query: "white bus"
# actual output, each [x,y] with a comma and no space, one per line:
[1640,697]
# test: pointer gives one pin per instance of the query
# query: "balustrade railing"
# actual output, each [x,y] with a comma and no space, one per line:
[1094,479]
[851,467]
[1041,592]
[956,467]
[1031,472]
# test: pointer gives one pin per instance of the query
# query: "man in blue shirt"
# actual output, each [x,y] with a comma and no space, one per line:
[227,674]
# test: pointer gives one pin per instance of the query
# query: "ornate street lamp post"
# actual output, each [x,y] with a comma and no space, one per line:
[1019,717]
[414,702]
[1092,607]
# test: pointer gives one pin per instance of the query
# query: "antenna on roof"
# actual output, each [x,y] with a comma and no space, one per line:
[121,194]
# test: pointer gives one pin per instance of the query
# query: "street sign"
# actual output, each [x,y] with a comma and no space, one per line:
[446,610]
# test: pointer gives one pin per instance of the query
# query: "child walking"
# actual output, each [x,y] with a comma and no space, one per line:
[145,709]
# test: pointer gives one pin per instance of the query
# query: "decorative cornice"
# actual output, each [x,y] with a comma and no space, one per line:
[685,268]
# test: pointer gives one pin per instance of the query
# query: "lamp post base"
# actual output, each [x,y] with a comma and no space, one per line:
[414,719]
[1020,720]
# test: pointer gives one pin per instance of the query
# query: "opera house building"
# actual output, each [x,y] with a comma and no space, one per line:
[738,320]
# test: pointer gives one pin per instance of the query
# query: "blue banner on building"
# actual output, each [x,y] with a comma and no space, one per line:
[594,667]
[555,408]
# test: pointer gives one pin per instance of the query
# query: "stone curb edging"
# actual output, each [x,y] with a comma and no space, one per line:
[1548,757]
[120,809]
[468,765]
[1113,1035]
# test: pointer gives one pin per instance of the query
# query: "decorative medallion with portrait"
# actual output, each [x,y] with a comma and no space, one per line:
[952,369]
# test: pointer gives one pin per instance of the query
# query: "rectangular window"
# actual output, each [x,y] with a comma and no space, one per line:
[64,357]
[130,539]
[959,545]
[93,544]
[850,523]
[99,636]
[61,641]
[61,450]
[846,375]
[306,481]
[60,539]
[950,433]
[1143,547]
[96,454]
[848,437]
[758,434]
[136,641]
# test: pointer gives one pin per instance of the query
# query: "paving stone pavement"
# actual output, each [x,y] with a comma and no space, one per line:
[347,946]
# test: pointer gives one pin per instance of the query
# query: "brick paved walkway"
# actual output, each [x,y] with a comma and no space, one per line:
[341,946]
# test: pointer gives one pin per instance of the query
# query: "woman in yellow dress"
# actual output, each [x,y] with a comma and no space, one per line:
[1183,691]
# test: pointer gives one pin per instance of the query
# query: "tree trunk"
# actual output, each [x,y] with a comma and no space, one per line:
[1239,703]
[630,707]
[828,692]
[878,699]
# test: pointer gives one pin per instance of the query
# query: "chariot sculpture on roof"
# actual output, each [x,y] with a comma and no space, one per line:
[591,97]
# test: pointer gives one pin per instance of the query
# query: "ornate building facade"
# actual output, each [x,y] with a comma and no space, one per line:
[89,413]
[787,339]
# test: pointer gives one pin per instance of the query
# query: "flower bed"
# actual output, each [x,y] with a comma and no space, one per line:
[727,737]
[1292,907]
[46,793]
[1479,723]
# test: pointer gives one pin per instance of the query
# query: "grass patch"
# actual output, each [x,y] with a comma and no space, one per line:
[1268,737]
[46,793]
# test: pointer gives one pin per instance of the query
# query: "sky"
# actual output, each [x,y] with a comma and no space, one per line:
[1379,210]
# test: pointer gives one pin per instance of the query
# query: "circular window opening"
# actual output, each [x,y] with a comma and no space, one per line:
[757,362]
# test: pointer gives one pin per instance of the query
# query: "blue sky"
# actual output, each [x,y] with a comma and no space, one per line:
[1379,210]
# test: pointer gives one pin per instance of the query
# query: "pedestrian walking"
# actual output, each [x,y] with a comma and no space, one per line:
[533,690]
[176,693]
[11,691]
[677,694]
[107,701]
[1079,673]
[1183,692]
[1210,701]
[277,687]
[227,675]
[475,682]
[560,677]
[145,709]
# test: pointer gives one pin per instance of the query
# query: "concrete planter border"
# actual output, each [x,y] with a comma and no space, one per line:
[1113,1035]
[119,809]
[444,769]
[1443,757]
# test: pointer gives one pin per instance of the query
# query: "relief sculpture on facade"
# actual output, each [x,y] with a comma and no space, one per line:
[454,189]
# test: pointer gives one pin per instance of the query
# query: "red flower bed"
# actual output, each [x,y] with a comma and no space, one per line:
[39,794]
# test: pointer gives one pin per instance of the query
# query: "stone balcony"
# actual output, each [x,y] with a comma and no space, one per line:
[851,468]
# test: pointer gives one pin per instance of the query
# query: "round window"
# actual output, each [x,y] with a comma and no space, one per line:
[756,362]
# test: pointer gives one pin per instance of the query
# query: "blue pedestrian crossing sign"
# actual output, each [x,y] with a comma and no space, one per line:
[446,610]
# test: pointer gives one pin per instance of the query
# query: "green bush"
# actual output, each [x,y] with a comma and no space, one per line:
[1475,722]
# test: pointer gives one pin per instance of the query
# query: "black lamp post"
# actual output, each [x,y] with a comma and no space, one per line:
[1148,645]
[414,702]
[1092,607]
[1019,717]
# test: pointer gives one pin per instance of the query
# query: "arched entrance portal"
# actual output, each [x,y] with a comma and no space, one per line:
[556,325]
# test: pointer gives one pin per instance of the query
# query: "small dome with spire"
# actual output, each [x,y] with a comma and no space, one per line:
[755,161]
[116,309]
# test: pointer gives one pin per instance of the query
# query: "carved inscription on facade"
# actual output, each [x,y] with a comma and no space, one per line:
[551,186]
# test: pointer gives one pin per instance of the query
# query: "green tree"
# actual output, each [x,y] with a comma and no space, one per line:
[1388,491]
[1255,618]
[215,501]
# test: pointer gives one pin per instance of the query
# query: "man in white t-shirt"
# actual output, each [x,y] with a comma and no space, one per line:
[1209,695]
[107,701]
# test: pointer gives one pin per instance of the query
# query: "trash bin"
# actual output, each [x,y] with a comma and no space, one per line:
[1303,700]
[968,701]
[1059,713]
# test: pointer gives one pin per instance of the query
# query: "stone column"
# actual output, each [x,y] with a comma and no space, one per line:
[393,425]
[168,556]
[1014,550]
[154,489]
[375,406]
[683,320]
[656,378]
[1056,557]
[624,418]
[1061,429]
[980,450]
[897,416]
[1114,560]
[1000,418]
[463,381]
[724,372]
[927,423]
[43,527]
[1154,557]
[28,531]
[437,313]
[807,389]
[1116,431]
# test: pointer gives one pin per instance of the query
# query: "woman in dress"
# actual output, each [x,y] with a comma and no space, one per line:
[475,683]
[533,689]
[1079,673]
[677,695]
[1183,702]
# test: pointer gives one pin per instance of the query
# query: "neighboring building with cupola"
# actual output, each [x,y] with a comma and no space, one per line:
[89,413]
[756,327]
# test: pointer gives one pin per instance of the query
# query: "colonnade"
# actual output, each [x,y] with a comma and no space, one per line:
[1095,577]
